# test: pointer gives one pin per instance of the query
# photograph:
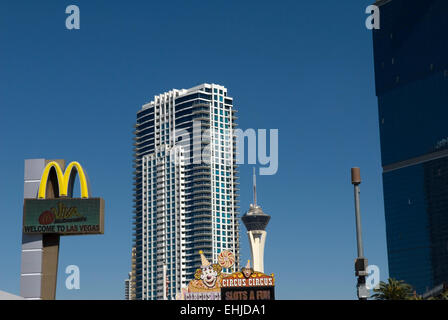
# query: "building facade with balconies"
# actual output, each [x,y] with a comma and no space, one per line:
[185,186]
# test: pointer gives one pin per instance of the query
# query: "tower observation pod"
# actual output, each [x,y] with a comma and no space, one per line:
[256,222]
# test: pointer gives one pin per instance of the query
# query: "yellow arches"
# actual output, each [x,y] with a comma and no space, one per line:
[64,179]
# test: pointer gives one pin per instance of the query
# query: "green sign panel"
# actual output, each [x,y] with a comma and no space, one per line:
[65,216]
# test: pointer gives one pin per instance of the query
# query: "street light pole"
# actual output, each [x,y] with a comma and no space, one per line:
[361,262]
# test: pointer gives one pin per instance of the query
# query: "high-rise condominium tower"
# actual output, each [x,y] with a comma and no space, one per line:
[185,194]
[411,73]
[128,287]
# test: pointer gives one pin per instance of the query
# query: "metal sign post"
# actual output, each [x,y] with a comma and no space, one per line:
[361,262]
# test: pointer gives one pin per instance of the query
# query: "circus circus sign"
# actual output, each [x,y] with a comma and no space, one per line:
[248,285]
[211,283]
[247,278]
[257,279]
[212,295]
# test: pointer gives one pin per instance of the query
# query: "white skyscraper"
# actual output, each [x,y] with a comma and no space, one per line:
[128,287]
[185,186]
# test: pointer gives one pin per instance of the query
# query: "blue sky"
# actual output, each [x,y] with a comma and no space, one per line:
[302,67]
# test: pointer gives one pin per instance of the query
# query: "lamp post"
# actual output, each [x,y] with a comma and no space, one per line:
[361,262]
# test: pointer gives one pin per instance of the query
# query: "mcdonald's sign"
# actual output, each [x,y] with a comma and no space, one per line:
[65,180]
[63,214]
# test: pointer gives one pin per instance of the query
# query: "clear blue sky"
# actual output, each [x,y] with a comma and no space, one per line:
[303,67]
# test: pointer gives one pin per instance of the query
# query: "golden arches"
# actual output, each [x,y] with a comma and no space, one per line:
[64,179]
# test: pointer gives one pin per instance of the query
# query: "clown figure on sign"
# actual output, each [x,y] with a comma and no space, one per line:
[247,271]
[208,273]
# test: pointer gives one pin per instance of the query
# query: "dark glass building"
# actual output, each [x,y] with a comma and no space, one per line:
[411,74]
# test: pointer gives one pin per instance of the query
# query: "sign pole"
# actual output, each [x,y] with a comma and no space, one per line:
[40,252]
[50,252]
[361,262]
[50,261]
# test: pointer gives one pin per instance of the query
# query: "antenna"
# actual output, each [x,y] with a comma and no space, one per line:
[255,189]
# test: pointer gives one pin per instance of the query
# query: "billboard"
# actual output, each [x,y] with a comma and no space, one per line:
[65,216]
[248,285]
[211,283]
[51,212]
[248,293]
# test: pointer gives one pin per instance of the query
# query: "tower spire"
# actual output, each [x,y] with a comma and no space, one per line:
[255,188]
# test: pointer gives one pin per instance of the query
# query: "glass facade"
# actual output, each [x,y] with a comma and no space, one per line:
[407,226]
[411,74]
